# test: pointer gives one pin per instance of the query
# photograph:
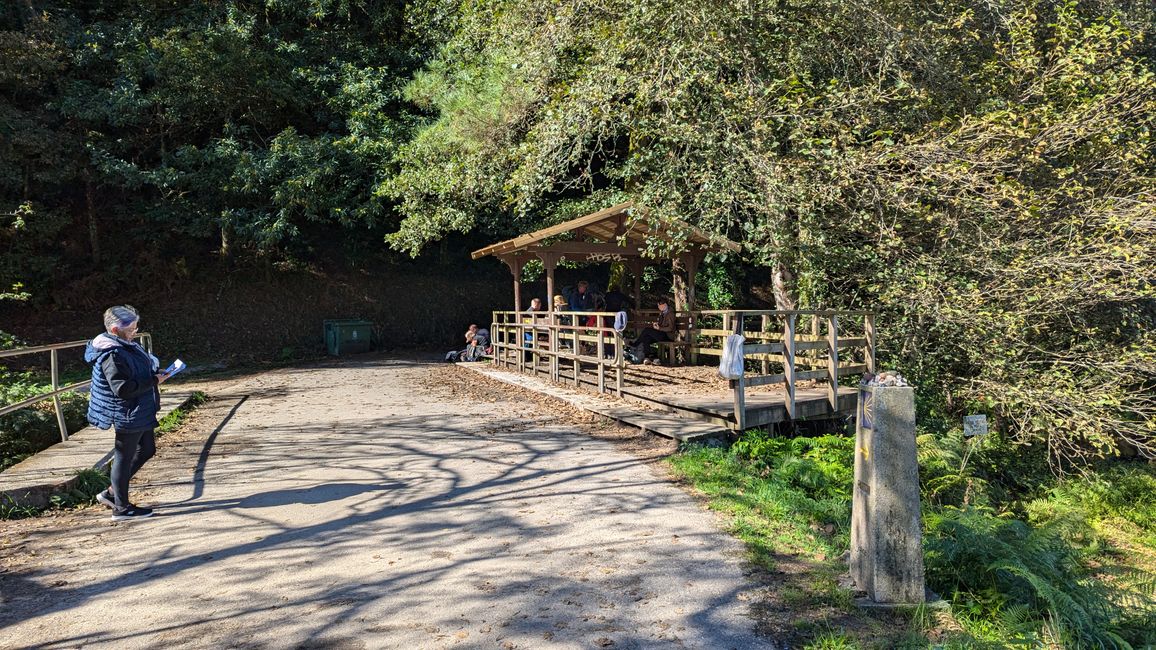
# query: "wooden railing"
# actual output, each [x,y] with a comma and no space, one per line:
[788,347]
[780,347]
[53,350]
[541,342]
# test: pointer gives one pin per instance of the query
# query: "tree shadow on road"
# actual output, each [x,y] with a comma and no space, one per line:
[444,526]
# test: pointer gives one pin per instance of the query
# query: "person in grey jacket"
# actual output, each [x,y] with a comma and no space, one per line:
[660,330]
[125,398]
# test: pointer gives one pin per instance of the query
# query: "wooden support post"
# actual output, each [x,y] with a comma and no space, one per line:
[549,262]
[740,385]
[577,352]
[869,334]
[618,375]
[523,344]
[515,262]
[789,362]
[518,287]
[691,261]
[813,355]
[764,328]
[554,334]
[833,362]
[601,360]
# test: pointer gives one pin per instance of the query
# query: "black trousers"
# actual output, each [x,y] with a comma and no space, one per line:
[133,449]
[648,337]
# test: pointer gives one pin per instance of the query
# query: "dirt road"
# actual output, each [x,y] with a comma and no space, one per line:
[381,504]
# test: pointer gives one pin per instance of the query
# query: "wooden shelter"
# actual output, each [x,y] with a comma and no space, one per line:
[778,357]
[619,233]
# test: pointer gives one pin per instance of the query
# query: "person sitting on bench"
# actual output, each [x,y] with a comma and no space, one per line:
[658,331]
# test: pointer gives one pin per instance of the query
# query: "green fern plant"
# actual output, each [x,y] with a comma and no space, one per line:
[1030,574]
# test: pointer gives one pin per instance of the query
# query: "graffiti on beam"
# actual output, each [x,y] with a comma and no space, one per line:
[604,257]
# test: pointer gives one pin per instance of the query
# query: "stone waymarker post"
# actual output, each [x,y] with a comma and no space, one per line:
[886,528]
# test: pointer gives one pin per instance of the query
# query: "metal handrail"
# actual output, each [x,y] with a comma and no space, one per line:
[57,389]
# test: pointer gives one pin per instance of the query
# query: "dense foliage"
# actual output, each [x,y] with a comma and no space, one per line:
[139,135]
[979,173]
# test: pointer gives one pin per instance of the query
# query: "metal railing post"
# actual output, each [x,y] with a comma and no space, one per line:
[869,331]
[56,397]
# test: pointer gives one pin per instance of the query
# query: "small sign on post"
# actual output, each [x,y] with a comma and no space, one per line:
[974,425]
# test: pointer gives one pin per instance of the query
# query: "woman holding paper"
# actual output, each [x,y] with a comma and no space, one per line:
[124,397]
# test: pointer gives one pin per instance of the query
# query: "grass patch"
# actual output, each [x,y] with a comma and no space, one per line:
[177,417]
[801,507]
[88,483]
[1065,564]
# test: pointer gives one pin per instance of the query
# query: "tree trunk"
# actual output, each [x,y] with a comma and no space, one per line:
[783,285]
[678,286]
[225,251]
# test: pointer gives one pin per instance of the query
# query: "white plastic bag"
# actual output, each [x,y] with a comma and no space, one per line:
[731,364]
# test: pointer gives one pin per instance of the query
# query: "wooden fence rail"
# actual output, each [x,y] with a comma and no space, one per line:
[780,347]
[527,339]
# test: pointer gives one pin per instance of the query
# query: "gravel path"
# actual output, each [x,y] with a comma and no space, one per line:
[382,504]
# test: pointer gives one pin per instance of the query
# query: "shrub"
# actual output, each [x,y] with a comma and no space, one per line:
[32,429]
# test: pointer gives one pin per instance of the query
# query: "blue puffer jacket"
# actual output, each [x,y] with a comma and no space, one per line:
[124,386]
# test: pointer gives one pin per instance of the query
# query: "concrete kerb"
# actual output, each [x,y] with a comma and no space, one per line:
[32,482]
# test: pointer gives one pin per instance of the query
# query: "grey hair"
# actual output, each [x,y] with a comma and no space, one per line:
[120,316]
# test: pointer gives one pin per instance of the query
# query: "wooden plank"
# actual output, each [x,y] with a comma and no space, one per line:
[642,231]
[766,325]
[763,380]
[852,370]
[738,389]
[833,363]
[544,233]
[721,333]
[763,347]
[789,364]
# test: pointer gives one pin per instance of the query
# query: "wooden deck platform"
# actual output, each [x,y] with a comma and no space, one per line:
[704,400]
[670,425]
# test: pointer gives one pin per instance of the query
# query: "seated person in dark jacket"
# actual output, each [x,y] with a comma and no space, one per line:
[660,330]
[124,396]
[581,300]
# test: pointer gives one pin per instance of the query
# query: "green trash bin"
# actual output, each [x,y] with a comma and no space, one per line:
[348,336]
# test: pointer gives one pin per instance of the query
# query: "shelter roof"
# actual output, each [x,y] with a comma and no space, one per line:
[607,226]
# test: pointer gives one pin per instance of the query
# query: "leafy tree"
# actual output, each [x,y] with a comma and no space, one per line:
[171,129]
[979,174]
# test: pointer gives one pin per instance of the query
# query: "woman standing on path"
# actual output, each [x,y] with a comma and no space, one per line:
[124,396]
